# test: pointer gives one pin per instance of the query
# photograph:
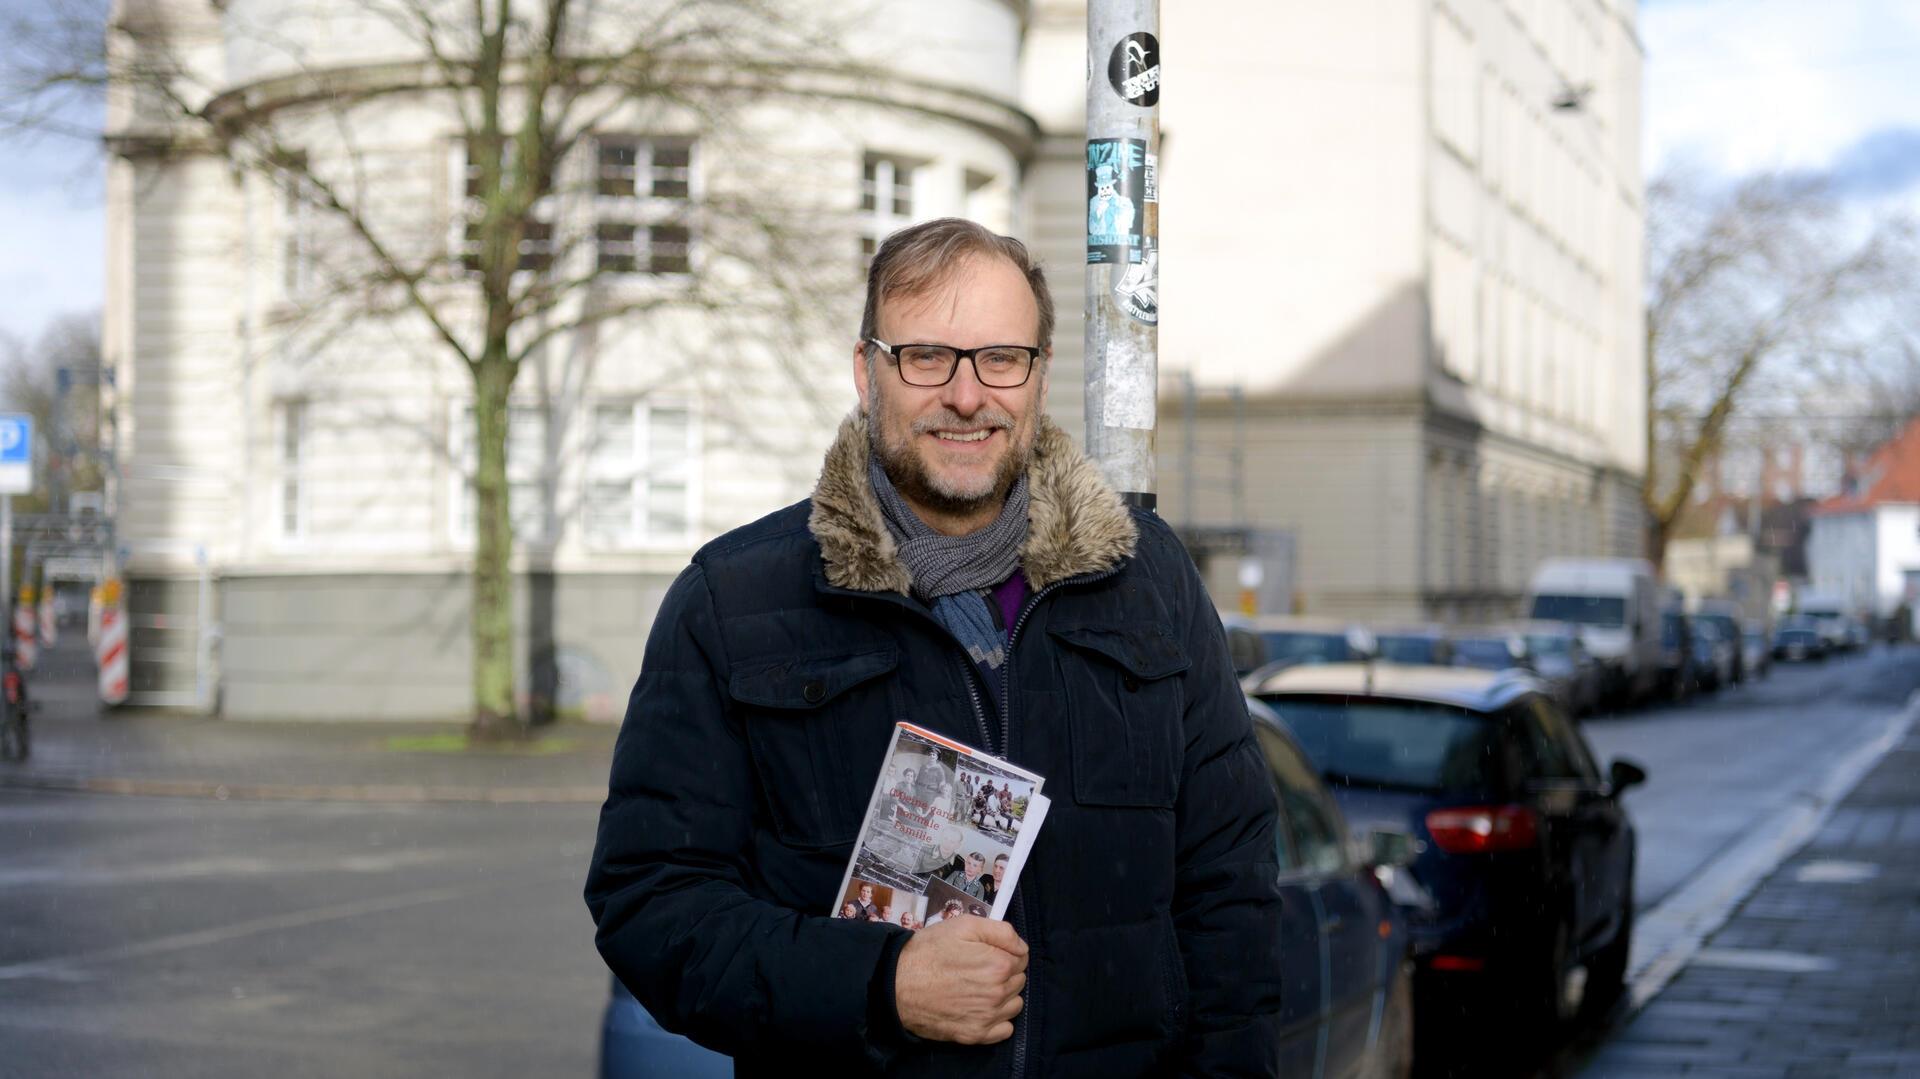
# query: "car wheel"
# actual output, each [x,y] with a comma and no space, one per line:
[1391,1055]
[1550,991]
[1607,971]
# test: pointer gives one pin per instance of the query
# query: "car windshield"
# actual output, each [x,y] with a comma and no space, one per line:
[1486,653]
[1306,647]
[1399,744]
[1549,644]
[1586,610]
[1409,648]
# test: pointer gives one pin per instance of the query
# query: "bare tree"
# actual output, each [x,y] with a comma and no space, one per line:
[1766,295]
[56,380]
[523,90]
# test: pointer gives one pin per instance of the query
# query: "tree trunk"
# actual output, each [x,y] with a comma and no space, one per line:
[494,716]
[1657,534]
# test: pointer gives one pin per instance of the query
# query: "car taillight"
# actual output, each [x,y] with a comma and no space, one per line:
[1480,829]
[12,682]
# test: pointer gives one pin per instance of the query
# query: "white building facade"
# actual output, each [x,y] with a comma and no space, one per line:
[307,454]
[1402,251]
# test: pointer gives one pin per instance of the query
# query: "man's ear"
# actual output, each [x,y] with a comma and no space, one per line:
[1046,378]
[861,384]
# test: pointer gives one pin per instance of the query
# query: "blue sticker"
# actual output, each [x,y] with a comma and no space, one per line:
[1116,186]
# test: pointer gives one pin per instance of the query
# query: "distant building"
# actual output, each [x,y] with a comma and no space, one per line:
[305,488]
[1864,547]
[1411,234]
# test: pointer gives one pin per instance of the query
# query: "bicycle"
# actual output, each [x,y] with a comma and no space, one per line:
[15,740]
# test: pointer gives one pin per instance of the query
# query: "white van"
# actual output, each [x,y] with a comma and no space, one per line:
[1616,604]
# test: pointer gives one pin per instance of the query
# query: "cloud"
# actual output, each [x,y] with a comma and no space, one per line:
[1746,85]
[1885,162]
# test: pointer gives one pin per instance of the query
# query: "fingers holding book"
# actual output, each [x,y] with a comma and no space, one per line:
[959,980]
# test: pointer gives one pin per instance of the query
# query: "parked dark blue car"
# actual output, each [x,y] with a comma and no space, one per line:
[1521,905]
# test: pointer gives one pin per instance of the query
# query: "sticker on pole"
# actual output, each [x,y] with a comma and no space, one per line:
[1138,290]
[1134,69]
[1116,185]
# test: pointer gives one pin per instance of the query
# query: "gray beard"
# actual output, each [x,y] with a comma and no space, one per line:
[910,477]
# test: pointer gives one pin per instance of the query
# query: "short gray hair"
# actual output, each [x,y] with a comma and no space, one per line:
[912,261]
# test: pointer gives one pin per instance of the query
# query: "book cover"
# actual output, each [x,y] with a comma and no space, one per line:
[947,831]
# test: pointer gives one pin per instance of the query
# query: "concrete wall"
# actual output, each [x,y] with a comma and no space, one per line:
[396,646]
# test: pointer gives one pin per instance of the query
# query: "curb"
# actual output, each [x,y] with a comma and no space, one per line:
[394,793]
[1672,933]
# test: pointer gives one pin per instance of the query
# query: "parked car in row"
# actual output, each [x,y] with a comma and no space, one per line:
[1345,951]
[1677,676]
[1562,661]
[1281,640]
[1616,603]
[1520,907]
[1756,649]
[1712,657]
[1427,644]
[1795,642]
[1724,616]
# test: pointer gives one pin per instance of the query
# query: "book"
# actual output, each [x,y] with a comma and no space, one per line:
[947,832]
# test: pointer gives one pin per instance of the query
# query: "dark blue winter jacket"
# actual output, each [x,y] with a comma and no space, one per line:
[778,664]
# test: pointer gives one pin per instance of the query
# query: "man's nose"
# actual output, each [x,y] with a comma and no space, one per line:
[964,393]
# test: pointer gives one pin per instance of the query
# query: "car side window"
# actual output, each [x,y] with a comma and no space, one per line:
[1547,756]
[1306,810]
[1563,734]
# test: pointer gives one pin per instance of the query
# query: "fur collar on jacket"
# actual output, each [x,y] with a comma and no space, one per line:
[1077,523]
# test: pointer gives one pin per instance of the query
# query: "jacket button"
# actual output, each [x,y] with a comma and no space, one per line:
[814,691]
[1132,684]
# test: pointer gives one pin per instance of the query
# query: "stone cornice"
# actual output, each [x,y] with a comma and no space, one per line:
[1003,121]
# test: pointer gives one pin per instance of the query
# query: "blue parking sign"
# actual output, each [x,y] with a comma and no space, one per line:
[16,453]
[16,439]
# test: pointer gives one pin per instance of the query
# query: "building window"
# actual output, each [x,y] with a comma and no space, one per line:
[292,461]
[297,201]
[886,201]
[643,198]
[537,245]
[639,475]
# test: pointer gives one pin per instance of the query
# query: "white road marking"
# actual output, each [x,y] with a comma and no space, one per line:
[1759,959]
[1671,934]
[1833,871]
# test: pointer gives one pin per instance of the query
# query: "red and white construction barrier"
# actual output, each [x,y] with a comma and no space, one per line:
[49,620]
[24,636]
[111,650]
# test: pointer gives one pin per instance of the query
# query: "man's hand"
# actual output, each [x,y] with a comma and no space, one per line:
[960,979]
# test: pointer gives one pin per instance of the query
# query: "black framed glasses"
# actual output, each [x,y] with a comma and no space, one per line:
[1003,367]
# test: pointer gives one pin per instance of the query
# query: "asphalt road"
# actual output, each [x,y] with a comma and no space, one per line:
[1725,761]
[195,938]
[182,937]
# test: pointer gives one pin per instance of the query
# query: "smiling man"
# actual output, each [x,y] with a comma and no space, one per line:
[961,565]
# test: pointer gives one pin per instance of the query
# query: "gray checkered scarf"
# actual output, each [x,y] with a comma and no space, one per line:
[952,574]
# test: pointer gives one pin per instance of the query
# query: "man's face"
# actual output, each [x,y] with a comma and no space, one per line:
[974,865]
[928,438]
[866,893]
[999,871]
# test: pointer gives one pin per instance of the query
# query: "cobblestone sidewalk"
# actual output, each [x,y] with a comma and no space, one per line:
[1815,974]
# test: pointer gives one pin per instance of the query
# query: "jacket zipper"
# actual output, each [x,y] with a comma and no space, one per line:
[1018,915]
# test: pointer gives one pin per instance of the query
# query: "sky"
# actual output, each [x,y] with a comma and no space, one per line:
[1731,86]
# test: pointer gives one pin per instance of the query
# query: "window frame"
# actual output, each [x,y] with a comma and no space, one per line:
[292,451]
[640,475]
[646,213]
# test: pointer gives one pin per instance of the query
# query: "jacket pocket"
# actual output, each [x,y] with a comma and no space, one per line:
[1124,709]
[798,715]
